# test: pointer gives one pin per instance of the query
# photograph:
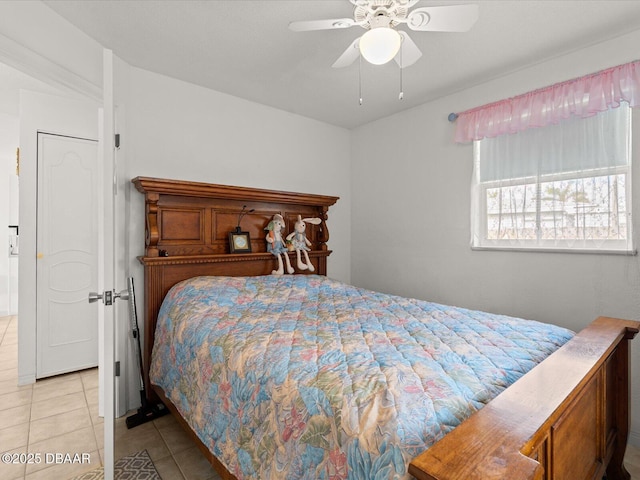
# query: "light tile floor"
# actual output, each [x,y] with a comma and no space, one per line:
[60,415]
[632,462]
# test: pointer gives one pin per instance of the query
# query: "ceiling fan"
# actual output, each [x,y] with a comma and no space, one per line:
[382,41]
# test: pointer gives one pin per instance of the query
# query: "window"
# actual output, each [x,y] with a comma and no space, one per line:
[563,187]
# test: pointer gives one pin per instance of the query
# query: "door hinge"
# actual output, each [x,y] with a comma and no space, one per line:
[117,141]
[117,369]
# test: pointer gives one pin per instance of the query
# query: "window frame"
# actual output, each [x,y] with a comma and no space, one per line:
[480,224]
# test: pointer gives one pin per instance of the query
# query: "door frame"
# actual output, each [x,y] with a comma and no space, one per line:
[108,196]
[31,63]
[42,227]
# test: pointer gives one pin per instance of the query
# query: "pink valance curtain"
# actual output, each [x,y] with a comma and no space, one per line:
[583,97]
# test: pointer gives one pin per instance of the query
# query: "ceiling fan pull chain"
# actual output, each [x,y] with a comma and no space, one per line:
[360,78]
[401,95]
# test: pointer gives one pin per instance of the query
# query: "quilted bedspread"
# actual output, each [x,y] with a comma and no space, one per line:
[304,377]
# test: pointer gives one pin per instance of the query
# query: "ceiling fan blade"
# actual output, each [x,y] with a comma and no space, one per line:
[348,57]
[308,25]
[449,18]
[409,52]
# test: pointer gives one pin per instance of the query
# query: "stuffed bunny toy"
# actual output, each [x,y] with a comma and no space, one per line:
[275,245]
[301,243]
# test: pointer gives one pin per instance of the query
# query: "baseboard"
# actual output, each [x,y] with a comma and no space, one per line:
[26,379]
[634,438]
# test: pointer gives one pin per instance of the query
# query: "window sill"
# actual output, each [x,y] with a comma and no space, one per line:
[556,250]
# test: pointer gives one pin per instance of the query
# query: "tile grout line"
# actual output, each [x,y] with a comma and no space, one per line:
[29,428]
[28,422]
[93,424]
[171,454]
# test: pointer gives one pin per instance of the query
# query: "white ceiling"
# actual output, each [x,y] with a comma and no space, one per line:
[244,48]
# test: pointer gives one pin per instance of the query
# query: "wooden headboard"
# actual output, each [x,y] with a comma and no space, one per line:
[186,235]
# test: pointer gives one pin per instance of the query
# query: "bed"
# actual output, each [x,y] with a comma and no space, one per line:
[567,417]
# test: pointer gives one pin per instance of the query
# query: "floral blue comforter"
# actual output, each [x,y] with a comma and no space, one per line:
[304,377]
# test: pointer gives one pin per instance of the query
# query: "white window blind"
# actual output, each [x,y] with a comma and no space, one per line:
[558,187]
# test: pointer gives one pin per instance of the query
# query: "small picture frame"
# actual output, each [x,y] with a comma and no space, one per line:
[239,242]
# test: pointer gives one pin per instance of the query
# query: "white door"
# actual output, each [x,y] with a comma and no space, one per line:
[67,246]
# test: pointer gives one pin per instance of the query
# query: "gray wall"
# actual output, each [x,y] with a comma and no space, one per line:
[181,131]
[9,141]
[411,209]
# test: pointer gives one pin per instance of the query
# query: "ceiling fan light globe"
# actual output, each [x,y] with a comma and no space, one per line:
[380,45]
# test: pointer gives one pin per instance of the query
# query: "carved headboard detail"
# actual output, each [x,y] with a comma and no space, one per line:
[192,218]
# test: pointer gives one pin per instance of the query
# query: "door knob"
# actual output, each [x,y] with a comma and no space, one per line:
[94,297]
[123,295]
[108,296]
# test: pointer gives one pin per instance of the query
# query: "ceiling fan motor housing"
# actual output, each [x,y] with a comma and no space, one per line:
[367,11]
